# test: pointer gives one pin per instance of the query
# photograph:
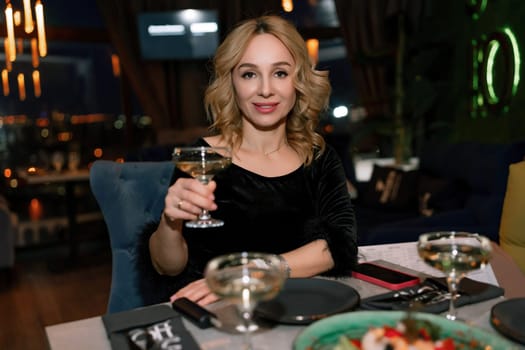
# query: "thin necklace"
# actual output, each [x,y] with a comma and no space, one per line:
[266,154]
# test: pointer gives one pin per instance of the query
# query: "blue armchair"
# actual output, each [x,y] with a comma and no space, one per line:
[129,196]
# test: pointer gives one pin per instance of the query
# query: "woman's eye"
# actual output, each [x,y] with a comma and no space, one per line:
[248,75]
[281,74]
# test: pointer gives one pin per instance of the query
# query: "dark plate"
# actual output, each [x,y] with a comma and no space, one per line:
[305,300]
[508,316]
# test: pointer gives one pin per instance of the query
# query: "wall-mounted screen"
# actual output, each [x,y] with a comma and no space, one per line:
[181,34]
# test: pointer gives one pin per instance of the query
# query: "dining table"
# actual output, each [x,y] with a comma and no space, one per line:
[90,333]
[70,179]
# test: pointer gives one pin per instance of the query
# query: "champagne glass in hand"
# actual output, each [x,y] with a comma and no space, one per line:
[245,279]
[455,254]
[202,163]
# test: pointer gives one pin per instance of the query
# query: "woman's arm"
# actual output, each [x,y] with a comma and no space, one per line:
[309,260]
[332,247]
[335,221]
[184,201]
[167,246]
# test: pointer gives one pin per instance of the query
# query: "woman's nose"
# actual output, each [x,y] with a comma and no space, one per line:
[265,88]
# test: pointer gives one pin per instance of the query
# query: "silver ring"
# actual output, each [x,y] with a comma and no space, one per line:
[180,204]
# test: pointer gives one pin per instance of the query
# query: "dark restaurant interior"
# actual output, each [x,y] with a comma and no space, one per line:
[418,84]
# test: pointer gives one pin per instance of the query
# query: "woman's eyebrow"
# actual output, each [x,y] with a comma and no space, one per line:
[276,64]
[282,63]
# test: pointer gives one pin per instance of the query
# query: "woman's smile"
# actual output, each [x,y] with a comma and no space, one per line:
[265,108]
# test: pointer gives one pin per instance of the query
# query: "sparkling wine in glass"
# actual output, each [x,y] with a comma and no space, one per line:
[455,254]
[202,163]
[245,279]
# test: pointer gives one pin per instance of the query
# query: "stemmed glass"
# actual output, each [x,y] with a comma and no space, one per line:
[455,254]
[245,279]
[57,159]
[202,163]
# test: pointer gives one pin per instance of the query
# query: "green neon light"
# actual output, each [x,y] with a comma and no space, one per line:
[481,9]
[493,50]
[483,5]
[517,59]
[481,101]
[475,64]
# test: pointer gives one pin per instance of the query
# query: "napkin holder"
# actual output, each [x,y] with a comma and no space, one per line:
[413,298]
[148,328]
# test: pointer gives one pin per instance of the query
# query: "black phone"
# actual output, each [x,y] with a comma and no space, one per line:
[384,276]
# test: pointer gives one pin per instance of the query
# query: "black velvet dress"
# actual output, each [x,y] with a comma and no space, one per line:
[265,214]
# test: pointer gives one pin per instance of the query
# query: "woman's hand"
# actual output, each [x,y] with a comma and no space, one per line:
[184,201]
[196,291]
[187,197]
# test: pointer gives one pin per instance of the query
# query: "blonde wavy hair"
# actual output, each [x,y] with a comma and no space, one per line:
[312,87]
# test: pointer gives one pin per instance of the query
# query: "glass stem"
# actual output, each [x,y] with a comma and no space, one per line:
[453,282]
[204,215]
[246,319]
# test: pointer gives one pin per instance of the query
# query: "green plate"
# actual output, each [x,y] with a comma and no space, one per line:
[324,334]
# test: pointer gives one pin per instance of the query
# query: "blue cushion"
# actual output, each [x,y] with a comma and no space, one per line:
[129,196]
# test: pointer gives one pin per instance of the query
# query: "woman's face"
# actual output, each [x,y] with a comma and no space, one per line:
[263,82]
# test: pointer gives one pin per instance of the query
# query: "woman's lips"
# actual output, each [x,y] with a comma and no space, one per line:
[265,107]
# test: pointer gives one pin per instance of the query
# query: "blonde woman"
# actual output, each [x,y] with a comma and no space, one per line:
[285,192]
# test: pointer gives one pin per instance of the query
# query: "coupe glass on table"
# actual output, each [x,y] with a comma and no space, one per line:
[455,254]
[245,279]
[202,163]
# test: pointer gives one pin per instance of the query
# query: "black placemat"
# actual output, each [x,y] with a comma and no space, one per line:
[153,327]
[430,296]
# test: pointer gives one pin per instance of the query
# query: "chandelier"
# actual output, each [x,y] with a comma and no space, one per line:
[24,24]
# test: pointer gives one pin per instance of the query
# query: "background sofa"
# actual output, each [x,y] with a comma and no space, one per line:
[458,186]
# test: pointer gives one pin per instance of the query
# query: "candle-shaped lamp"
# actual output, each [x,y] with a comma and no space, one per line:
[5,81]
[313,49]
[36,83]
[21,87]
[28,17]
[10,32]
[40,26]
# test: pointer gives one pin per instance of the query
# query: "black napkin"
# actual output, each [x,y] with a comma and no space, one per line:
[148,328]
[431,296]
